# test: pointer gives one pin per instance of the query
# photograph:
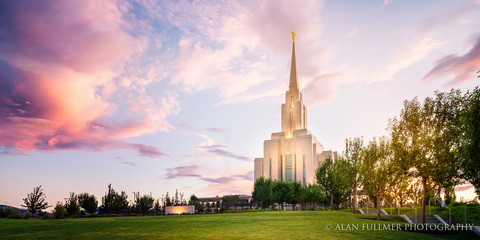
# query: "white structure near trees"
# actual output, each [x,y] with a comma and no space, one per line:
[294,153]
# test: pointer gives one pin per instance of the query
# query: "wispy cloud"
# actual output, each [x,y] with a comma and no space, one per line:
[132,164]
[237,47]
[457,69]
[215,130]
[320,89]
[386,3]
[219,150]
[353,33]
[417,50]
[183,171]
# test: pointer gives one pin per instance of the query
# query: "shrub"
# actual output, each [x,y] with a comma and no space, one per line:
[13,214]
[28,215]
[3,213]
[59,211]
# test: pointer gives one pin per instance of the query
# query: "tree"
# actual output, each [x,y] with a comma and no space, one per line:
[425,141]
[375,170]
[263,191]
[298,194]
[282,192]
[35,201]
[113,201]
[353,149]
[143,204]
[88,202]
[71,205]
[59,211]
[470,147]
[334,179]
[194,201]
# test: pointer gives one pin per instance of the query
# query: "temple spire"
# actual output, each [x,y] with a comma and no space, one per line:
[293,70]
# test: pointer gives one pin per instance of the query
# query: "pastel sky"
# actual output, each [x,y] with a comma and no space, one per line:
[154,96]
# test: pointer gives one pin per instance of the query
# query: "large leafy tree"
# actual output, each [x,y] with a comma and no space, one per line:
[35,201]
[263,191]
[375,169]
[335,179]
[353,149]
[470,157]
[88,202]
[314,194]
[425,141]
[283,192]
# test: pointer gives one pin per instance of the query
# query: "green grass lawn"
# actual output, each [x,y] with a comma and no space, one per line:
[253,225]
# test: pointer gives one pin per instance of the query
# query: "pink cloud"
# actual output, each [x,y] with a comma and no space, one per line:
[463,187]
[183,171]
[220,151]
[320,89]
[215,130]
[223,185]
[457,69]
[58,89]
[242,46]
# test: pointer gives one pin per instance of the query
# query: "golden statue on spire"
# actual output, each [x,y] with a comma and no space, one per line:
[293,36]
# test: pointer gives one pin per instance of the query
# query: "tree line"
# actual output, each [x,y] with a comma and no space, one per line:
[112,202]
[432,146]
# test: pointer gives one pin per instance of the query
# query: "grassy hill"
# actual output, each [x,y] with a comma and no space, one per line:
[253,225]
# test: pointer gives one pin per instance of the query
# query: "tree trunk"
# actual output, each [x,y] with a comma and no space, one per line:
[378,207]
[424,201]
[354,200]
[331,202]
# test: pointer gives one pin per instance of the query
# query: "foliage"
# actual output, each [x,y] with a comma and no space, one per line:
[425,141]
[194,201]
[143,204]
[88,202]
[3,213]
[263,192]
[335,179]
[353,150]
[35,201]
[59,211]
[28,215]
[13,214]
[114,202]
[71,205]
[230,200]
[470,157]
[375,170]
[282,192]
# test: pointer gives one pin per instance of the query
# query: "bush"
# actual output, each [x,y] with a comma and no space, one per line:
[13,214]
[28,215]
[3,213]
[59,211]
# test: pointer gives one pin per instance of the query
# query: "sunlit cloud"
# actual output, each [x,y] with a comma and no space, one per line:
[60,62]
[457,69]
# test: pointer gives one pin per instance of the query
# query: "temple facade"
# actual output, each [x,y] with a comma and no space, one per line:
[294,153]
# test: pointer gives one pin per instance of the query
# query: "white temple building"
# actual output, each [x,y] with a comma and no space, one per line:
[294,153]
